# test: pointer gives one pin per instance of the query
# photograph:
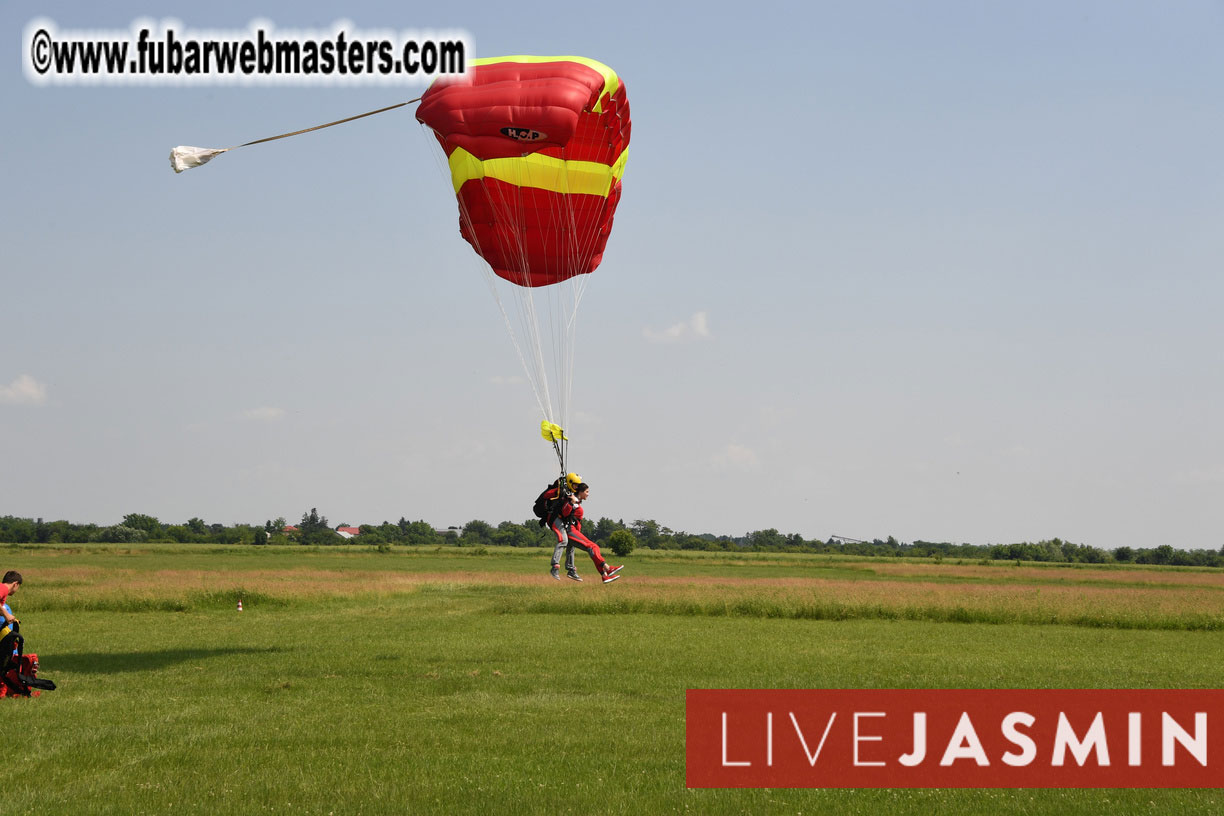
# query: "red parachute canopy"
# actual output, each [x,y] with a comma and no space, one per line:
[536,148]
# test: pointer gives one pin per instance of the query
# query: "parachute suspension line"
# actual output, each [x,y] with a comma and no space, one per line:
[580,251]
[570,292]
[534,369]
[578,286]
[566,323]
[526,294]
[546,307]
[533,303]
[561,298]
[541,399]
[511,212]
[561,341]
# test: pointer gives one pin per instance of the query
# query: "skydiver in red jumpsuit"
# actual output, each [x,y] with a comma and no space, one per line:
[566,524]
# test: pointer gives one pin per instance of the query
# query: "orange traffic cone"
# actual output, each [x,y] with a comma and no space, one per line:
[239,604]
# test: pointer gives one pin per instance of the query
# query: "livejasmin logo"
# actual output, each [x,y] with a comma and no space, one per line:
[955,738]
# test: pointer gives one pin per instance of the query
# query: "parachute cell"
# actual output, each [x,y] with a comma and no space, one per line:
[536,148]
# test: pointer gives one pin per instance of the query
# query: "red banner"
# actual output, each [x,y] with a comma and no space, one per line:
[955,738]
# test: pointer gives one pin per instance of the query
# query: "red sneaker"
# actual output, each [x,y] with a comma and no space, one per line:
[613,570]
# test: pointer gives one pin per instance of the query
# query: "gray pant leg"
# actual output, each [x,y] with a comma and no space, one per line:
[563,543]
[562,540]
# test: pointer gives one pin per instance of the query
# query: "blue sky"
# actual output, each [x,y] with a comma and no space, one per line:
[945,271]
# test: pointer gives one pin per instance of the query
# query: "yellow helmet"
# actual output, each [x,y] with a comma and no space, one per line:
[573,480]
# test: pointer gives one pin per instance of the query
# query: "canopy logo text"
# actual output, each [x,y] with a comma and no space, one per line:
[519,134]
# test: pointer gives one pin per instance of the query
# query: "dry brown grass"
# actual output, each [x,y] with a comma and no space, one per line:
[1028,596]
[79,583]
[1005,571]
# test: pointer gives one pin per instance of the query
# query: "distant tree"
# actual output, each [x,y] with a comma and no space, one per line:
[373,535]
[394,533]
[692,542]
[604,528]
[261,537]
[765,540]
[197,526]
[231,535]
[622,542]
[376,534]
[509,534]
[477,533]
[313,521]
[705,542]
[138,521]
[1052,550]
[15,530]
[419,533]
[1124,555]
[119,534]
[1182,558]
[646,531]
[315,530]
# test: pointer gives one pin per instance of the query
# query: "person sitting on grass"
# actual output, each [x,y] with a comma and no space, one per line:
[12,580]
[566,525]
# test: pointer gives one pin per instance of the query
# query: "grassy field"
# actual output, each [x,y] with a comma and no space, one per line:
[467,681]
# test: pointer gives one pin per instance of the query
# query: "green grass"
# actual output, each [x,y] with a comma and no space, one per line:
[490,694]
[837,610]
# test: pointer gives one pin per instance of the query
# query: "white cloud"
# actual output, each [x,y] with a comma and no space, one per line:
[25,390]
[736,457]
[696,327]
[265,413]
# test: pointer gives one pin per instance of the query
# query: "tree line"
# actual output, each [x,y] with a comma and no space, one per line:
[315,530]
